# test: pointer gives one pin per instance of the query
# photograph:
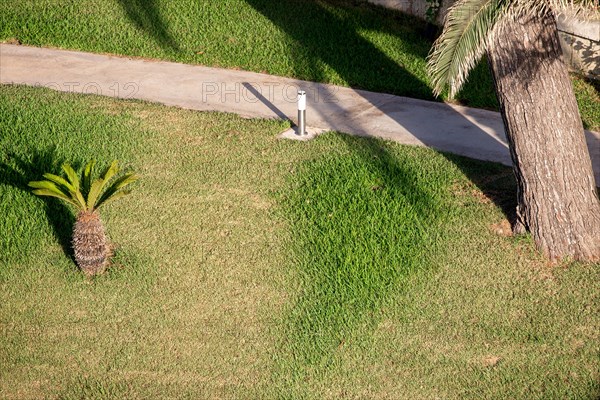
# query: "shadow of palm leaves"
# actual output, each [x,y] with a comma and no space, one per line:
[350,269]
[17,171]
[322,35]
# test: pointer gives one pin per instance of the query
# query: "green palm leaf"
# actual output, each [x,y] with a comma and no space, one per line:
[114,197]
[467,30]
[74,193]
[86,177]
[70,189]
[71,176]
[111,192]
[59,180]
[111,171]
[95,191]
[94,199]
[48,188]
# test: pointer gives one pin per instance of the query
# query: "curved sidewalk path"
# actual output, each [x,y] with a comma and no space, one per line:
[461,130]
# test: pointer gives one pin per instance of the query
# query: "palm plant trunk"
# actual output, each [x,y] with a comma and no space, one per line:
[557,198]
[89,243]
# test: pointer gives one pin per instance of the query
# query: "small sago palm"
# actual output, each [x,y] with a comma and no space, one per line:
[90,245]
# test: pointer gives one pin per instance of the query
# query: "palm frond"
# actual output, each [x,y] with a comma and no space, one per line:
[585,8]
[468,28]
[48,188]
[111,171]
[111,194]
[73,191]
[74,180]
[94,193]
[71,175]
[115,196]
[59,180]
[86,177]
[98,185]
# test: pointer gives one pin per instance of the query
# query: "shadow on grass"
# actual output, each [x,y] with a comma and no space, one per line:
[495,181]
[18,171]
[145,14]
[328,32]
[362,222]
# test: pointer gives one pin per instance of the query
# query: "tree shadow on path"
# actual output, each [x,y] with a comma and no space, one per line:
[332,37]
[327,32]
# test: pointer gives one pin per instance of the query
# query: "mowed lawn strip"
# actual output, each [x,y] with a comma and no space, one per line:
[252,267]
[344,42]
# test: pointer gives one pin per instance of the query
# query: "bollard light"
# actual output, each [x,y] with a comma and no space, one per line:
[301,112]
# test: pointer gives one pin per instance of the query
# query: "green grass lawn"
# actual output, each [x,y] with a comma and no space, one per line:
[345,42]
[249,267]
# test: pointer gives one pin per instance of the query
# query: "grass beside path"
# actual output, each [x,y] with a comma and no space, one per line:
[345,42]
[250,267]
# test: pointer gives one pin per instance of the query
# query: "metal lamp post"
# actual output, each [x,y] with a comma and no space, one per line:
[301,112]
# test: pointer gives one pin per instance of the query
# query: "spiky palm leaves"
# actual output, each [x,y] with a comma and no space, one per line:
[468,31]
[87,195]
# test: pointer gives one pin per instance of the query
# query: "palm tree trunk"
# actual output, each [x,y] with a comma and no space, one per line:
[557,199]
[89,243]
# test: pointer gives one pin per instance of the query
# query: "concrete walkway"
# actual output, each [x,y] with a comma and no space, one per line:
[461,130]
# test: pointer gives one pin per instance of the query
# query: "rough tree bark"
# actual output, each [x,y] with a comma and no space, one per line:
[557,198]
